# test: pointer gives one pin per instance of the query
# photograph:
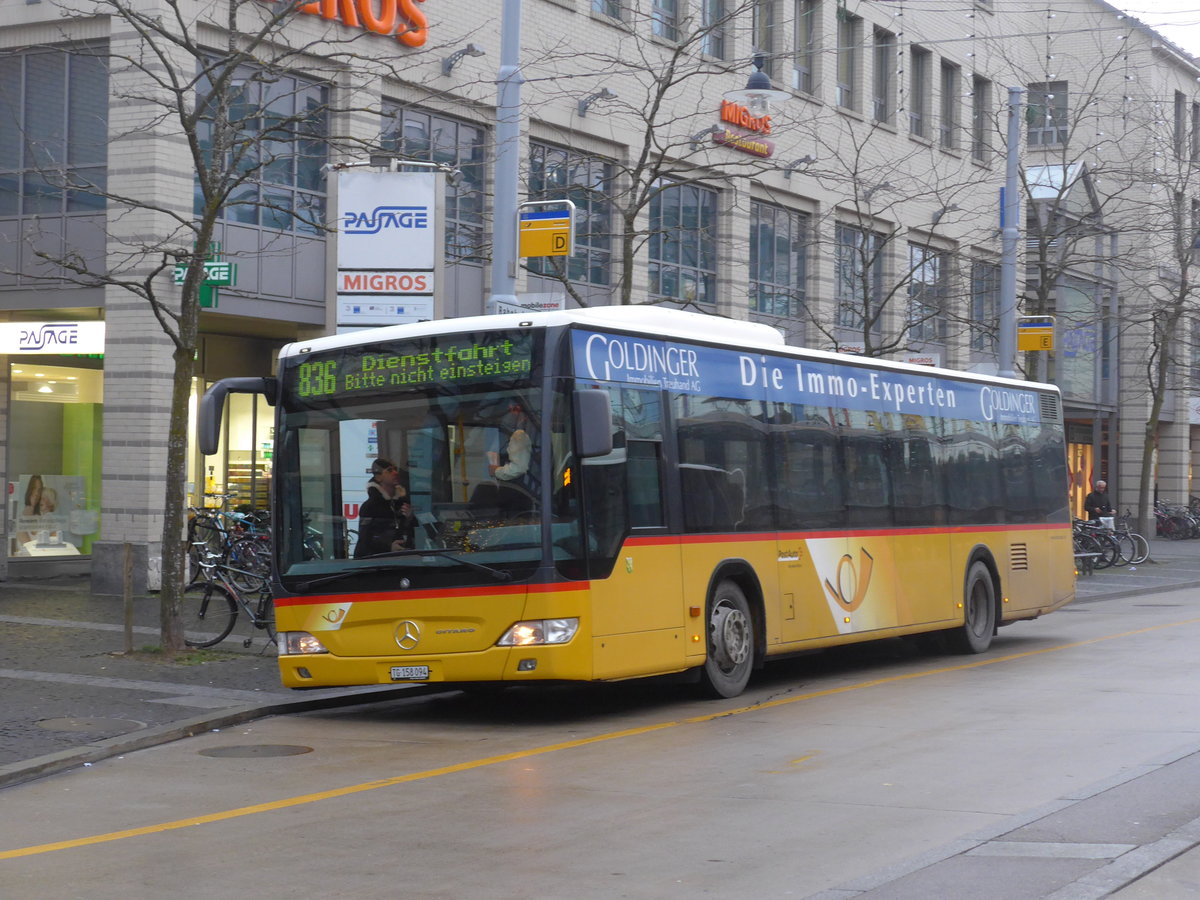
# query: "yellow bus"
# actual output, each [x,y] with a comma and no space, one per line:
[687,494]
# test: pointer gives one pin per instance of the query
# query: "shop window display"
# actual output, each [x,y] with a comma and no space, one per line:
[54,459]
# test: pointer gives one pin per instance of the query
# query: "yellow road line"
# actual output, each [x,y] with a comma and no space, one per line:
[304,799]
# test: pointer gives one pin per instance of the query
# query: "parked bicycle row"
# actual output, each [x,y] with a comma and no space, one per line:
[242,540]
[1175,521]
[1102,543]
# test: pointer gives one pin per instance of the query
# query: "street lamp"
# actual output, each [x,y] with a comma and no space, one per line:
[452,60]
[758,94]
[602,94]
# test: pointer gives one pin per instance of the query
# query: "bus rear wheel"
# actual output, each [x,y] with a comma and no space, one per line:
[979,612]
[730,642]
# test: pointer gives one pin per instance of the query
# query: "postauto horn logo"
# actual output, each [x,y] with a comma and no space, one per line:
[382,217]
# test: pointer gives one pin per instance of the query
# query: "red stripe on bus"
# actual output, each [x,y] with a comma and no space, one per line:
[484,591]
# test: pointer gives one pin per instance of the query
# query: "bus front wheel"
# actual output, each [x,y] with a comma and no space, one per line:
[730,642]
[979,611]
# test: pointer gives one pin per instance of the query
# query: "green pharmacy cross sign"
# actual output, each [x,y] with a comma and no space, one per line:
[217,273]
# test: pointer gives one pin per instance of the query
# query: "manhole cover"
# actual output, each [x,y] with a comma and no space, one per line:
[251,750]
[106,726]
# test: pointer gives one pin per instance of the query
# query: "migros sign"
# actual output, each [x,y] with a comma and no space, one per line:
[401,19]
[736,114]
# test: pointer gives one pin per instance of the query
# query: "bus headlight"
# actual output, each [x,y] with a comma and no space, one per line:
[539,631]
[291,643]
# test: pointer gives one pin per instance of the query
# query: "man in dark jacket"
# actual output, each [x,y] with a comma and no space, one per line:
[1096,504]
[385,520]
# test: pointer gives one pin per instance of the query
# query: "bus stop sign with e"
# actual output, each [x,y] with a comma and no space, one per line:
[1035,333]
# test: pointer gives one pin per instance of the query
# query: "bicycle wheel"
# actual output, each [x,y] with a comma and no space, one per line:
[1126,548]
[1109,551]
[208,612]
[1141,549]
[249,563]
[265,612]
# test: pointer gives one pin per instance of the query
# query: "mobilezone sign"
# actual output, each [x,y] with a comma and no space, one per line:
[386,240]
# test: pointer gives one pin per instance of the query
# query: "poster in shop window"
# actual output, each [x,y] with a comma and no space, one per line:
[51,515]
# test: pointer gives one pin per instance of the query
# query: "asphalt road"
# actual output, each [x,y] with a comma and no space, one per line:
[72,698]
[1061,763]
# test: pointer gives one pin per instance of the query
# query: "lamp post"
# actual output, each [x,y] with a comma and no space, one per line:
[1010,233]
[508,138]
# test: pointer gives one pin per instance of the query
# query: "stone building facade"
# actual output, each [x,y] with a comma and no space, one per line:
[865,219]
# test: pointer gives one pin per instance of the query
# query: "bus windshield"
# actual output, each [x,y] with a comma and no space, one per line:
[417,459]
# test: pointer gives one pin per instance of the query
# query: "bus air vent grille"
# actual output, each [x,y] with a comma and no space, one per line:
[1051,411]
[1018,555]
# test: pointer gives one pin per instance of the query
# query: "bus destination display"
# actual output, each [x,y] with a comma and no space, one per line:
[362,371]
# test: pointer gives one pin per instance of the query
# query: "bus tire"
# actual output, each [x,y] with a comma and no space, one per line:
[730,630]
[979,611]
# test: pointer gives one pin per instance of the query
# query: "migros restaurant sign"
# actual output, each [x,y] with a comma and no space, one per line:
[401,19]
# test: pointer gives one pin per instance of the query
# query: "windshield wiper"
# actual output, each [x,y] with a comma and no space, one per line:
[304,586]
[498,574]
[338,576]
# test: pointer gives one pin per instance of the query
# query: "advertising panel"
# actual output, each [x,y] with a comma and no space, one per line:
[693,369]
[387,239]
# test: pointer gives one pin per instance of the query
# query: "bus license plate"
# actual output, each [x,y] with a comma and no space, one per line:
[410,673]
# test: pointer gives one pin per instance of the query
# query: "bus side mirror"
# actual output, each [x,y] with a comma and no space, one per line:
[212,406]
[593,423]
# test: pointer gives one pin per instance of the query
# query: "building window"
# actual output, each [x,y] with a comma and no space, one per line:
[664,19]
[1195,132]
[926,294]
[918,94]
[53,132]
[778,267]
[985,306]
[858,276]
[762,25]
[558,174]
[683,243]
[55,455]
[713,21]
[420,135]
[1047,113]
[883,77]
[805,45]
[849,28]
[282,124]
[948,125]
[610,8]
[981,116]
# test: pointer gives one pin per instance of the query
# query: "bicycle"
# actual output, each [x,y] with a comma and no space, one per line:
[1095,542]
[209,608]
[242,539]
[1133,546]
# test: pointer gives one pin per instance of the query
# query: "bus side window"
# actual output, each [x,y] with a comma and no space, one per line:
[808,471]
[640,414]
[868,490]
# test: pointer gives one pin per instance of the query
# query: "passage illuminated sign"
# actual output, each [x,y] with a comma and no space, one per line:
[73,338]
[383,368]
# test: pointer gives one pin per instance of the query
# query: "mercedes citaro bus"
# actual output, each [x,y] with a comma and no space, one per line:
[698,497]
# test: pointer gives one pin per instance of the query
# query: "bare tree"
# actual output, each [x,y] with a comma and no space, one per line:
[253,99]
[663,104]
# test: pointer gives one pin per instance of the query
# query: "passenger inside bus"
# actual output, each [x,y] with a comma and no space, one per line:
[386,519]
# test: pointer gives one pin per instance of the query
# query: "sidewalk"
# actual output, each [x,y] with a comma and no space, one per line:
[72,696]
